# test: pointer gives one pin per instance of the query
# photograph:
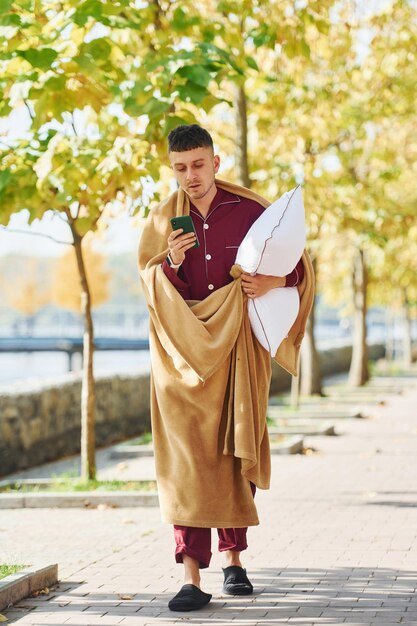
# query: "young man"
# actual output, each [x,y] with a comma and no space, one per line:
[210,376]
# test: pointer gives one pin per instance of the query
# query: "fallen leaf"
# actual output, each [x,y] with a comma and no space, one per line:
[3,618]
[128,520]
[41,592]
[103,506]
[125,597]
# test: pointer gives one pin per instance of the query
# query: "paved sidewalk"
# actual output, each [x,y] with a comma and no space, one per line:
[337,543]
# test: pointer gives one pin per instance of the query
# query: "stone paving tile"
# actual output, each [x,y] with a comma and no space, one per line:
[337,543]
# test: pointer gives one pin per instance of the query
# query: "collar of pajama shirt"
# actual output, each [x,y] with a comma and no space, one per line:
[220,233]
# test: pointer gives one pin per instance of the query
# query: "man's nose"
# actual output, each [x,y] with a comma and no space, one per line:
[189,174]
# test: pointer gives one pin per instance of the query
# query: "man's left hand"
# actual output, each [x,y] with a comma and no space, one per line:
[260,284]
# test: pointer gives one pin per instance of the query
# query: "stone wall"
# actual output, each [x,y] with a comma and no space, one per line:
[42,423]
[332,361]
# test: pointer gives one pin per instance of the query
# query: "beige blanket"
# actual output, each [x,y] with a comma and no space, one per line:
[210,383]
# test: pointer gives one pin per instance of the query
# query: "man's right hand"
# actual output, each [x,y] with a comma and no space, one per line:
[179,244]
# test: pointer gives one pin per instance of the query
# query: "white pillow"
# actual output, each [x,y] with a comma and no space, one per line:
[272,315]
[275,242]
[273,245]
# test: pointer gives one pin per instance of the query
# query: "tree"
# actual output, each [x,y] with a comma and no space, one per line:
[99,83]
[66,288]
[295,75]
[28,293]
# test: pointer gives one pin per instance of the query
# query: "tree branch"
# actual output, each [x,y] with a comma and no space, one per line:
[32,117]
[332,144]
[27,232]
[73,124]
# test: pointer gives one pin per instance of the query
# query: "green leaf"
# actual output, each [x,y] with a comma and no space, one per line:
[85,63]
[42,58]
[5,5]
[196,74]
[140,86]
[209,102]
[210,50]
[11,19]
[178,19]
[181,20]
[323,26]
[4,179]
[192,93]
[84,225]
[132,107]
[172,121]
[260,36]
[55,83]
[99,49]
[155,107]
[5,108]
[89,8]
[305,49]
[252,63]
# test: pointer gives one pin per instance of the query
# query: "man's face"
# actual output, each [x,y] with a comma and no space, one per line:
[195,170]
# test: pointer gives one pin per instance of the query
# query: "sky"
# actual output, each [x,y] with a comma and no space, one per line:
[121,237]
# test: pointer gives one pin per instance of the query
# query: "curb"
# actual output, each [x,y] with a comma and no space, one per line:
[81,500]
[129,451]
[17,586]
[313,413]
[303,428]
[294,445]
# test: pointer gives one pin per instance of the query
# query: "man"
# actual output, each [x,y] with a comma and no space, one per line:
[210,377]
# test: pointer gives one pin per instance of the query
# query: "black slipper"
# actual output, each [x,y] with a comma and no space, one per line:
[189,598]
[236,583]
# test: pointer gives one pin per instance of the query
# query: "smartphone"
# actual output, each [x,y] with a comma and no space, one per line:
[186,223]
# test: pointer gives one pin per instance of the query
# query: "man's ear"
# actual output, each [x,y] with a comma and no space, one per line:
[216,160]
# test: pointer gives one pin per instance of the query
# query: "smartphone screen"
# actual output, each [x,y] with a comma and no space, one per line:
[186,223]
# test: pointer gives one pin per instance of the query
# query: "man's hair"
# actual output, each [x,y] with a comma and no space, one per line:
[188,137]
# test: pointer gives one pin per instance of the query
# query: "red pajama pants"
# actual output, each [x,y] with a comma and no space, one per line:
[196,542]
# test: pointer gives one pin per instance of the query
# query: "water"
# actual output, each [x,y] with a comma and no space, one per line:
[36,365]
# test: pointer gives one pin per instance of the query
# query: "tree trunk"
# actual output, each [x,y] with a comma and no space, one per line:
[359,373]
[389,335]
[241,121]
[311,375]
[310,363]
[407,343]
[88,461]
[295,389]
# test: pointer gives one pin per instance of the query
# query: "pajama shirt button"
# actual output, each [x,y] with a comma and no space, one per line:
[211,287]
[206,226]
[208,257]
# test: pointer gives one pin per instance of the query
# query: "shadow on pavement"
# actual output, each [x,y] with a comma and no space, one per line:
[348,595]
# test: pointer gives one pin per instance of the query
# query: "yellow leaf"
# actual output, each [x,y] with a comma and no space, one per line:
[125,597]
[3,618]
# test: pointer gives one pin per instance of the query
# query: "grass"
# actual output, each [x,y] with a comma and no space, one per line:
[76,485]
[278,438]
[144,439]
[6,570]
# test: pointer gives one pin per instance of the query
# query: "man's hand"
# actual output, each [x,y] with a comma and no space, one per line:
[179,244]
[260,284]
